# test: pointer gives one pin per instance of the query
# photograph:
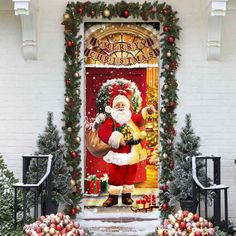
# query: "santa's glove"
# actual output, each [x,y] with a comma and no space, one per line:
[100,118]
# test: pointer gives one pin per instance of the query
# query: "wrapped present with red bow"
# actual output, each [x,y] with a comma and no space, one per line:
[141,204]
[150,198]
[93,185]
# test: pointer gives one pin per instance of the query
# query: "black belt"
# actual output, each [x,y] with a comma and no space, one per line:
[133,142]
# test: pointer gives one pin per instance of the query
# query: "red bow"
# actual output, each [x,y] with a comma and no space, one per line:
[116,89]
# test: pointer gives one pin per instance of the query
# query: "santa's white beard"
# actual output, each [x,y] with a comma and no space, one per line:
[121,116]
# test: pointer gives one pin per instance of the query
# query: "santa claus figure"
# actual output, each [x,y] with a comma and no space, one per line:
[121,132]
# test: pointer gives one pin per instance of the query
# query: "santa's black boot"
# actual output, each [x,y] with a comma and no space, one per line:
[111,201]
[126,199]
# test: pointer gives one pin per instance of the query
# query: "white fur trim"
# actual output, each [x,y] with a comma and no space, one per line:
[114,140]
[119,159]
[114,190]
[121,98]
[128,188]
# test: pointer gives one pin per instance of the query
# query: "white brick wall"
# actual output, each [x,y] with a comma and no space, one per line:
[28,89]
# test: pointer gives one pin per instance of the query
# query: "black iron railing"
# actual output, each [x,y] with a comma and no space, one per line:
[43,184]
[214,190]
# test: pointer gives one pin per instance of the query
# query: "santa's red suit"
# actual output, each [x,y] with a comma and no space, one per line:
[121,159]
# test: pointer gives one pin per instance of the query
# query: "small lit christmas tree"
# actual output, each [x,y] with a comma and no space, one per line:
[186,148]
[49,143]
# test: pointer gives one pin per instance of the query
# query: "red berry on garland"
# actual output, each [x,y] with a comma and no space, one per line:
[73,211]
[171,104]
[166,28]
[171,39]
[74,154]
[92,12]
[125,13]
[68,83]
[69,43]
[164,207]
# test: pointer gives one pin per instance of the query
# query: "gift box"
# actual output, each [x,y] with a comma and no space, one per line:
[104,183]
[141,204]
[150,198]
[93,185]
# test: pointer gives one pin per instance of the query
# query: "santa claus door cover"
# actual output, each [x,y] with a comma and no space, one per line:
[121,128]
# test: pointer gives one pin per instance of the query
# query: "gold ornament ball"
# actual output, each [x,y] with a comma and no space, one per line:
[168,54]
[52,231]
[160,232]
[78,139]
[67,99]
[77,92]
[72,182]
[76,74]
[78,207]
[164,155]
[66,16]
[106,13]
[165,86]
[163,110]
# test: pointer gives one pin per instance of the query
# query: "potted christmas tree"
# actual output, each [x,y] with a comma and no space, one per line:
[7,180]
[49,143]
[186,148]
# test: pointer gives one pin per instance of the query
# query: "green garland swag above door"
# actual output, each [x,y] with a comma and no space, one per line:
[72,19]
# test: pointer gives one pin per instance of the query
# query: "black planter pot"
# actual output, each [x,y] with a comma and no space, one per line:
[52,208]
[188,204]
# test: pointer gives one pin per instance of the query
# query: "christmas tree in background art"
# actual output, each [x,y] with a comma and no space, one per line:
[49,143]
[186,148]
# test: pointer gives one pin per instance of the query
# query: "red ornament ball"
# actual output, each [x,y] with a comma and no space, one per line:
[165,188]
[185,213]
[80,10]
[73,211]
[154,9]
[68,83]
[171,39]
[196,217]
[166,28]
[165,12]
[74,154]
[164,207]
[198,233]
[125,13]
[69,43]
[92,12]
[171,104]
[182,225]
[171,165]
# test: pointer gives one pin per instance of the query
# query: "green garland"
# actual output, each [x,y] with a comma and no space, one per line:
[73,17]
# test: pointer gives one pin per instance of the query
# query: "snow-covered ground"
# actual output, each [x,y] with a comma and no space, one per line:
[117,222]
